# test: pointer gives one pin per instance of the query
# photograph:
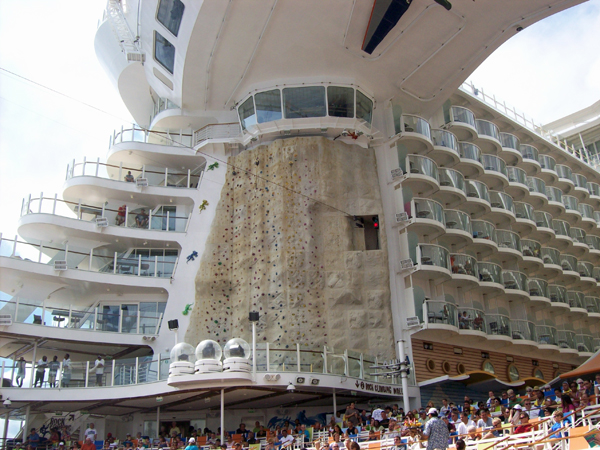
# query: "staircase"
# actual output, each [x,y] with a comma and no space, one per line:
[129,44]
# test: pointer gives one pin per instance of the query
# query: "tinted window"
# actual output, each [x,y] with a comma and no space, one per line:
[170,13]
[304,102]
[246,112]
[340,101]
[164,52]
[268,106]
[364,107]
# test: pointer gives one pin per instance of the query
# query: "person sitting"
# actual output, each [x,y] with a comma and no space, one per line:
[525,426]
[495,431]
[129,178]
[88,445]
[141,220]
[120,219]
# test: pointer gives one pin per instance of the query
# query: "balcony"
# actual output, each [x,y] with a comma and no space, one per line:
[478,198]
[510,149]
[440,314]
[532,255]
[494,172]
[516,283]
[569,268]
[445,148]
[558,296]
[587,216]
[580,247]
[490,278]
[581,189]
[465,273]
[596,275]
[525,218]
[488,136]
[530,159]
[586,272]
[458,228]
[485,241]
[555,205]
[523,330]
[471,321]
[416,132]
[517,182]
[571,213]
[509,245]
[536,192]
[565,178]
[562,235]
[498,327]
[576,301]
[585,344]
[593,242]
[503,208]
[546,337]
[543,222]
[452,188]
[548,165]
[142,135]
[421,175]
[427,216]
[470,160]
[462,123]
[433,261]
[594,190]
[551,260]
[592,305]
[538,291]
[566,341]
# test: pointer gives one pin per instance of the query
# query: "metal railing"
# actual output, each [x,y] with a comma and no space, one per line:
[217,131]
[138,134]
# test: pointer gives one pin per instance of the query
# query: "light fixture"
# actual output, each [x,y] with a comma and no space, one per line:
[173,324]
[291,387]
[253,316]
[7,402]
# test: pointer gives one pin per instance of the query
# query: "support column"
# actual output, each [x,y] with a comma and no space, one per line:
[403,376]
[254,351]
[31,379]
[26,426]
[157,421]
[222,416]
[5,434]
[334,404]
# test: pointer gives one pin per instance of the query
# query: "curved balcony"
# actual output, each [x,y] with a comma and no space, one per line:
[433,261]
[445,147]
[587,216]
[422,175]
[490,277]
[503,208]
[571,213]
[562,234]
[548,165]
[458,227]
[484,237]
[515,283]
[530,159]
[440,314]
[536,190]
[558,296]
[581,189]
[566,341]
[510,149]
[546,337]
[462,123]
[580,248]
[538,290]
[452,187]
[532,255]
[494,172]
[551,260]
[596,275]
[525,218]
[592,305]
[594,190]
[565,178]
[509,244]
[465,273]
[523,330]
[478,198]
[597,219]
[427,216]
[593,242]
[586,272]
[498,327]
[585,344]
[576,301]
[488,136]
[416,132]
[543,223]
[555,205]
[596,344]
[569,268]
[470,160]
[471,321]
[517,182]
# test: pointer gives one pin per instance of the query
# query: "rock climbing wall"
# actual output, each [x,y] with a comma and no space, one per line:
[283,243]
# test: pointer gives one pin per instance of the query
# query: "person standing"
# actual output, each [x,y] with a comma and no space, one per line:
[40,371]
[99,368]
[53,367]
[436,431]
[352,415]
[90,433]
[20,366]
[66,371]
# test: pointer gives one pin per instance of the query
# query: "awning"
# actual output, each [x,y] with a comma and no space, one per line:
[481,381]
[592,365]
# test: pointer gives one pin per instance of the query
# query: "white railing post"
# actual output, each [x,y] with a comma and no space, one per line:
[14,246]
[112,376]
[41,249]
[188,178]
[79,210]
[90,261]
[28,204]
[120,320]
[73,169]
[120,177]
[121,133]
[268,358]
[103,209]
[84,163]
[95,326]
[70,318]
[155,265]
[40,205]
[168,220]
[126,217]
[298,356]
[67,174]
[346,363]
[144,171]
[67,251]
[87,373]
[17,309]
[54,206]
[139,316]
[150,219]
[158,366]
[166,175]
[59,374]
[324,359]
[137,370]
[44,312]
[139,265]
[115,263]
[97,166]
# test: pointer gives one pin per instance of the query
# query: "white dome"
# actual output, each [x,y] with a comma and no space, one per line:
[208,350]
[236,348]
[183,352]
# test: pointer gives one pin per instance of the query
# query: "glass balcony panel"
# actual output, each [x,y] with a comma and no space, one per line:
[592,304]
[558,294]
[441,312]
[594,188]
[434,255]
[498,324]
[422,165]
[516,175]
[587,211]
[340,101]
[570,202]
[487,128]
[597,217]
[509,141]
[458,220]
[451,178]
[460,114]
[550,255]
[364,108]
[477,189]
[501,200]
[596,344]
[580,181]
[543,219]
[564,172]
[576,299]
[484,230]
[585,269]
[508,239]
[529,152]
[578,235]
[524,211]
[531,248]
[416,124]
[561,227]
[566,339]
[493,163]
[554,194]
[547,162]
[568,262]
[463,264]
[523,329]
[538,288]
[536,185]
[596,274]
[593,242]
[471,319]
[516,280]
[268,105]
[585,343]
[467,150]
[489,272]
[443,138]
[546,335]
[428,209]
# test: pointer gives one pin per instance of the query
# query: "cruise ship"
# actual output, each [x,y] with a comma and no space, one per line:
[312,209]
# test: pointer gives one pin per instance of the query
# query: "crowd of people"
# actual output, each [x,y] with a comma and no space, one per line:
[52,369]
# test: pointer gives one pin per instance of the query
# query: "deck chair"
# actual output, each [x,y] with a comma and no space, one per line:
[374,445]
[236,437]
[201,440]
[254,446]
[577,441]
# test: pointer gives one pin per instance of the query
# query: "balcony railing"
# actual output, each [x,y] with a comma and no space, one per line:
[568,262]
[576,299]
[523,329]
[509,141]
[498,324]
[538,288]
[515,280]
[451,178]
[502,200]
[564,172]
[484,230]
[508,239]
[433,255]
[558,294]
[489,272]
[422,165]
[531,248]
[554,194]
[561,227]
[428,209]
[585,269]
[580,181]
[587,211]
[471,319]
[477,189]
[219,131]
[570,202]
[547,162]
[458,220]
[524,211]
[584,342]
[487,128]
[578,235]
[136,134]
[464,115]
[546,335]
[494,164]
[594,188]
[550,255]
[529,152]
[536,185]
[592,304]
[463,264]
[415,124]
[566,339]
[516,175]
[467,150]
[439,311]
[593,242]
[443,138]
[596,274]
[543,219]
[597,217]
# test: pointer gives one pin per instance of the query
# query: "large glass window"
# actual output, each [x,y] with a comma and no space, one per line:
[246,112]
[268,106]
[164,52]
[364,107]
[340,101]
[303,102]
[170,13]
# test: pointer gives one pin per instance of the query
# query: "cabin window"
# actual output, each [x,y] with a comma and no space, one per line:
[268,106]
[164,52]
[304,102]
[170,13]
[364,107]
[340,101]
[247,114]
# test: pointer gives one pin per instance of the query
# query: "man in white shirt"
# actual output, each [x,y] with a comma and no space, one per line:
[531,410]
[286,439]
[377,414]
[91,433]
[490,400]
[99,368]
[462,428]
